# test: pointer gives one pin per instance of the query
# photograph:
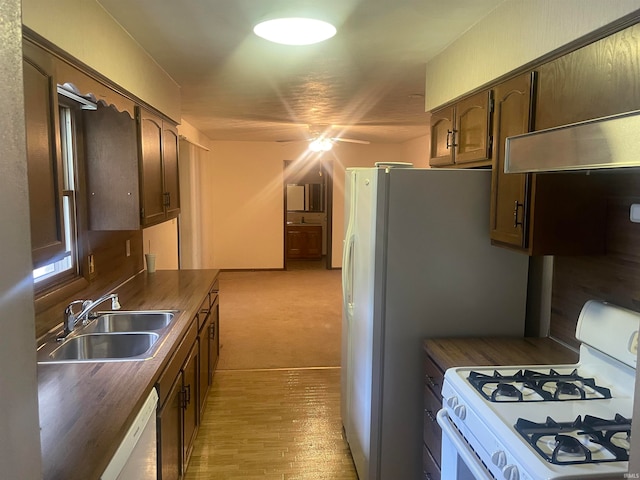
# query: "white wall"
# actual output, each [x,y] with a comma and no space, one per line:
[162,239]
[515,33]
[85,30]
[243,224]
[20,448]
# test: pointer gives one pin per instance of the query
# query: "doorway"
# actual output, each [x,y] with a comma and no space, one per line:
[308,213]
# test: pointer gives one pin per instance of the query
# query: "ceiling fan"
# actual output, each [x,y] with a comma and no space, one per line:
[321,139]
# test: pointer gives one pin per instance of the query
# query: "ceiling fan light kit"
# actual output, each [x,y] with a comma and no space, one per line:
[295,30]
[321,145]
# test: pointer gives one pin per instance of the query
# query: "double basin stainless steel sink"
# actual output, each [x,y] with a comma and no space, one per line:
[112,336]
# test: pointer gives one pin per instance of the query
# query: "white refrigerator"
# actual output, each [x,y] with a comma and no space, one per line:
[417,263]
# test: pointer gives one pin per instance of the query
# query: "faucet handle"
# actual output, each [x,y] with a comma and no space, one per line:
[69,309]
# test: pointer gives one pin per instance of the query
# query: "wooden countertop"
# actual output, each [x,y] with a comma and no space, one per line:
[86,408]
[460,352]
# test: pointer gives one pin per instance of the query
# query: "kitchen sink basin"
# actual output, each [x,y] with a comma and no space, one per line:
[138,321]
[105,346]
[111,337]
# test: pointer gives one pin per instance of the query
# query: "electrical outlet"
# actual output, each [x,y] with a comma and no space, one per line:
[127,248]
[92,266]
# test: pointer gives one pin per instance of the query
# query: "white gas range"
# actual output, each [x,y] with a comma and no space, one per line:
[546,422]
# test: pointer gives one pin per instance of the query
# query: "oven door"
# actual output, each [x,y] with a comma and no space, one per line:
[458,461]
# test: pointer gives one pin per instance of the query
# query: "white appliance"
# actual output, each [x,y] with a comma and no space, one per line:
[546,422]
[136,457]
[417,263]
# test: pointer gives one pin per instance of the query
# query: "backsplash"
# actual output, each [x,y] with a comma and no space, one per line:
[112,267]
[613,277]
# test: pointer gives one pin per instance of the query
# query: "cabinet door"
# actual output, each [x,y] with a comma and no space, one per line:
[314,242]
[170,169]
[471,136]
[151,188]
[441,151]
[205,347]
[191,410]
[112,169]
[510,202]
[431,432]
[44,158]
[598,80]
[214,334]
[170,434]
[295,243]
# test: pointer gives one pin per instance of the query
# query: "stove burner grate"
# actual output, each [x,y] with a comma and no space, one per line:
[591,440]
[540,386]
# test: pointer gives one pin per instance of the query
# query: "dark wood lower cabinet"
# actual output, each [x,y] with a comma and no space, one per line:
[190,403]
[430,468]
[170,434]
[304,241]
[183,387]
[431,432]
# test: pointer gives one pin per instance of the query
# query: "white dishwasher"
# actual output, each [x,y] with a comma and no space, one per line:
[136,457]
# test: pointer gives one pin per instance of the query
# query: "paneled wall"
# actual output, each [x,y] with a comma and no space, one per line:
[613,277]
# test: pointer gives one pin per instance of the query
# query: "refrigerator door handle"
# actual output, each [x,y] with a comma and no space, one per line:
[347,273]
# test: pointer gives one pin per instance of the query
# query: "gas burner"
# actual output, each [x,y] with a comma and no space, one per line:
[532,386]
[592,440]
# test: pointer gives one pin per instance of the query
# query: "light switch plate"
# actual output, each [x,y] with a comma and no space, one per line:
[634,213]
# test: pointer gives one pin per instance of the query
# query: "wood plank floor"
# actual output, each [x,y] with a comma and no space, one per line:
[272,424]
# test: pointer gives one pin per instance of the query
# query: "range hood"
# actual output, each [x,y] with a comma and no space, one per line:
[608,142]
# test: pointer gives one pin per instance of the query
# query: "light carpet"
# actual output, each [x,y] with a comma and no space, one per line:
[280,319]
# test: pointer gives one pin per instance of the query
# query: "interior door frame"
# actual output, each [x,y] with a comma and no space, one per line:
[327,173]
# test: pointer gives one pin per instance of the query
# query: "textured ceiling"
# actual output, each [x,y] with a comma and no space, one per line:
[367,82]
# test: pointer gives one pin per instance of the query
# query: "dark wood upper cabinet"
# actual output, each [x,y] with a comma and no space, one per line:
[44,158]
[540,214]
[510,199]
[151,183]
[472,133]
[441,153]
[460,134]
[112,169]
[170,141]
[132,169]
[159,182]
[598,80]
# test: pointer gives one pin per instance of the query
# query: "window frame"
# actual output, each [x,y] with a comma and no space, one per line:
[74,279]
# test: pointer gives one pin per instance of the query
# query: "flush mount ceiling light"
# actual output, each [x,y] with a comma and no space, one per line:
[295,31]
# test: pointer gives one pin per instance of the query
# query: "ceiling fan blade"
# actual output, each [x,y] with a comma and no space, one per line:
[351,140]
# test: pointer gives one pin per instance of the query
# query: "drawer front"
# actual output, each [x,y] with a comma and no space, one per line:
[433,376]
[430,469]
[431,432]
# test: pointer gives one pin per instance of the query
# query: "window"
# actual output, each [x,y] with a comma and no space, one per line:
[65,268]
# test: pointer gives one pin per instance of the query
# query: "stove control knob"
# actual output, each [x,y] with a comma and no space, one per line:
[511,472]
[499,458]
[460,411]
[452,402]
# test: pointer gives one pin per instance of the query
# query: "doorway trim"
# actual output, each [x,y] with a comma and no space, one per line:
[326,167]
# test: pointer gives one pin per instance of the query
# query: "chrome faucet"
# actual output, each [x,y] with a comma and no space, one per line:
[71,319]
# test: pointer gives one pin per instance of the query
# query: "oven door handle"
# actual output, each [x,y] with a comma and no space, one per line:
[464,451]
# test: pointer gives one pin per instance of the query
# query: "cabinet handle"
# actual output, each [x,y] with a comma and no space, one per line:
[212,331]
[430,414]
[517,205]
[187,395]
[166,201]
[429,380]
[449,133]
[427,476]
